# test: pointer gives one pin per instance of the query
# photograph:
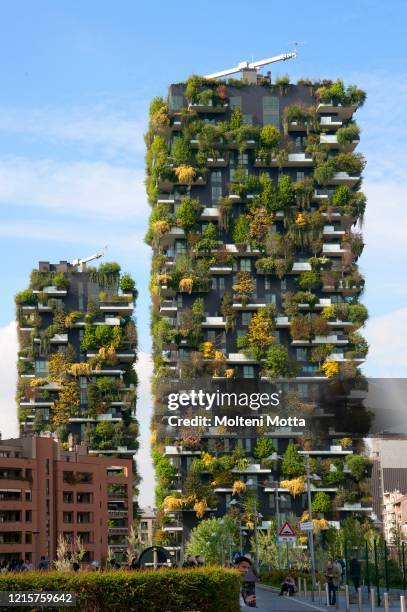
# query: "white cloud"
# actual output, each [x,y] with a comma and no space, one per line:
[8,380]
[78,188]
[144,410]
[92,127]
[387,335]
[386,219]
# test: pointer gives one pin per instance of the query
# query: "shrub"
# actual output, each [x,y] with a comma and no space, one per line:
[357,465]
[180,151]
[26,297]
[321,502]
[205,589]
[277,362]
[310,280]
[293,463]
[127,284]
[188,213]
[269,136]
[347,134]
[263,449]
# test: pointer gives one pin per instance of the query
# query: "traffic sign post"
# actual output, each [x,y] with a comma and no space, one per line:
[286,531]
[307,526]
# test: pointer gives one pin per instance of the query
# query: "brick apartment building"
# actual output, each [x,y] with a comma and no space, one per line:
[46,491]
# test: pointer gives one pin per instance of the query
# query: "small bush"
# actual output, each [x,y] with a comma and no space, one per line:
[205,589]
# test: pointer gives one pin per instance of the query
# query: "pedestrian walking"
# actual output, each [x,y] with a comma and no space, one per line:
[248,590]
[332,575]
[355,572]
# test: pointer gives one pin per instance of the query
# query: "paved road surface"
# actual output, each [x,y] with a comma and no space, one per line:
[268,601]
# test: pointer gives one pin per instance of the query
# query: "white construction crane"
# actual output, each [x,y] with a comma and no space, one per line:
[253,65]
[82,262]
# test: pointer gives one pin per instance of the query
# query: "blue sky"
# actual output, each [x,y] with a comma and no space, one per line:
[76,82]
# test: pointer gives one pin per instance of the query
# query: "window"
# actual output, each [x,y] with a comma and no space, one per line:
[175,103]
[180,247]
[245,265]
[216,193]
[272,501]
[283,285]
[300,176]
[271,111]
[179,300]
[41,367]
[248,371]
[246,318]
[235,101]
[303,390]
[301,354]
[218,283]
[67,497]
[270,298]
[248,119]
[216,177]
[67,517]
[285,502]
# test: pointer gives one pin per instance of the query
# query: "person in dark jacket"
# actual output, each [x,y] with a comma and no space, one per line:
[354,572]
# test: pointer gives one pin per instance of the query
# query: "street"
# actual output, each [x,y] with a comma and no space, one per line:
[269,601]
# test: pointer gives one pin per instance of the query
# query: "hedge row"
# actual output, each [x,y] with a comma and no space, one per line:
[166,590]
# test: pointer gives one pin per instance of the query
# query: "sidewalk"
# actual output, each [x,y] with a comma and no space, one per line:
[268,599]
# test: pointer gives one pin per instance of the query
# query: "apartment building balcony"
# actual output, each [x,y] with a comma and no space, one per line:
[282,322]
[108,320]
[331,339]
[333,231]
[253,468]
[173,234]
[51,290]
[221,269]
[332,249]
[254,304]
[169,307]
[166,199]
[173,526]
[297,126]
[357,507]
[119,450]
[171,451]
[240,358]
[210,214]
[343,178]
[301,266]
[125,356]
[124,308]
[214,322]
[330,123]
[217,162]
[331,141]
[108,371]
[37,403]
[334,449]
[208,108]
[341,358]
[344,112]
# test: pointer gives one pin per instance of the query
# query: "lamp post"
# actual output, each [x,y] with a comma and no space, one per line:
[311,532]
[234,502]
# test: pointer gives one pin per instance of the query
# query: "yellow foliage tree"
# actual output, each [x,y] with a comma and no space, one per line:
[68,400]
[259,336]
[185,174]
[296,486]
[38,382]
[200,507]
[207,350]
[229,372]
[330,368]
[185,285]
[300,219]
[238,487]
[207,459]
[59,366]
[161,227]
[80,369]
[259,223]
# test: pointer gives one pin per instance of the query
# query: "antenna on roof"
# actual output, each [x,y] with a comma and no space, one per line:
[253,65]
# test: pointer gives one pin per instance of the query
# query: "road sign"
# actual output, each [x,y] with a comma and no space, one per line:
[284,539]
[286,531]
[307,526]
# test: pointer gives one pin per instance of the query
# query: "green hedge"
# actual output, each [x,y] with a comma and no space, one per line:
[173,590]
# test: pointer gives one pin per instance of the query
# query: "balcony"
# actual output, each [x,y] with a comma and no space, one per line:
[331,141]
[240,358]
[335,449]
[37,403]
[344,112]
[332,230]
[208,108]
[210,214]
[331,339]
[51,290]
[357,507]
[254,304]
[125,308]
[218,269]
[216,162]
[332,249]
[301,266]
[169,307]
[343,178]
[214,322]
[297,126]
[282,322]
[179,450]
[330,123]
